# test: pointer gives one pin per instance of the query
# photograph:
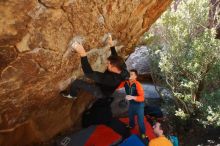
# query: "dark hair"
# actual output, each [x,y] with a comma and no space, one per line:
[135,71]
[116,61]
[165,127]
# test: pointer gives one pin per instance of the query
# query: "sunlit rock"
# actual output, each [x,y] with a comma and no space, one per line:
[36,63]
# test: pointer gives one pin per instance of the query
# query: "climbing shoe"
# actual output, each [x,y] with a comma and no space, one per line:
[67,95]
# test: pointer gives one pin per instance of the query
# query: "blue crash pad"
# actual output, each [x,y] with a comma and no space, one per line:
[133,140]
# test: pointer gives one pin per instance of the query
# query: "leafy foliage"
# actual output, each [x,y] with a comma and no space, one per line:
[186,54]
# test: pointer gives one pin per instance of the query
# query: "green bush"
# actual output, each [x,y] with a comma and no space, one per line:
[186,55]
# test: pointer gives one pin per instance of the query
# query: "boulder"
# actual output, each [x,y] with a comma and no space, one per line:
[36,62]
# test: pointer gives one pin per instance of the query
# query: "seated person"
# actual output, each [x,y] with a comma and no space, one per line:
[160,130]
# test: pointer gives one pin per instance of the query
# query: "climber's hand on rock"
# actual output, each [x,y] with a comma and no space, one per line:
[109,40]
[79,49]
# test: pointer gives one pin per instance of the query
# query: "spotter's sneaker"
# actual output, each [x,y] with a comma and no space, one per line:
[143,136]
[128,126]
[67,95]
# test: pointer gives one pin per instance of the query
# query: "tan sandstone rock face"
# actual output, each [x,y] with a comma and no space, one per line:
[36,64]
